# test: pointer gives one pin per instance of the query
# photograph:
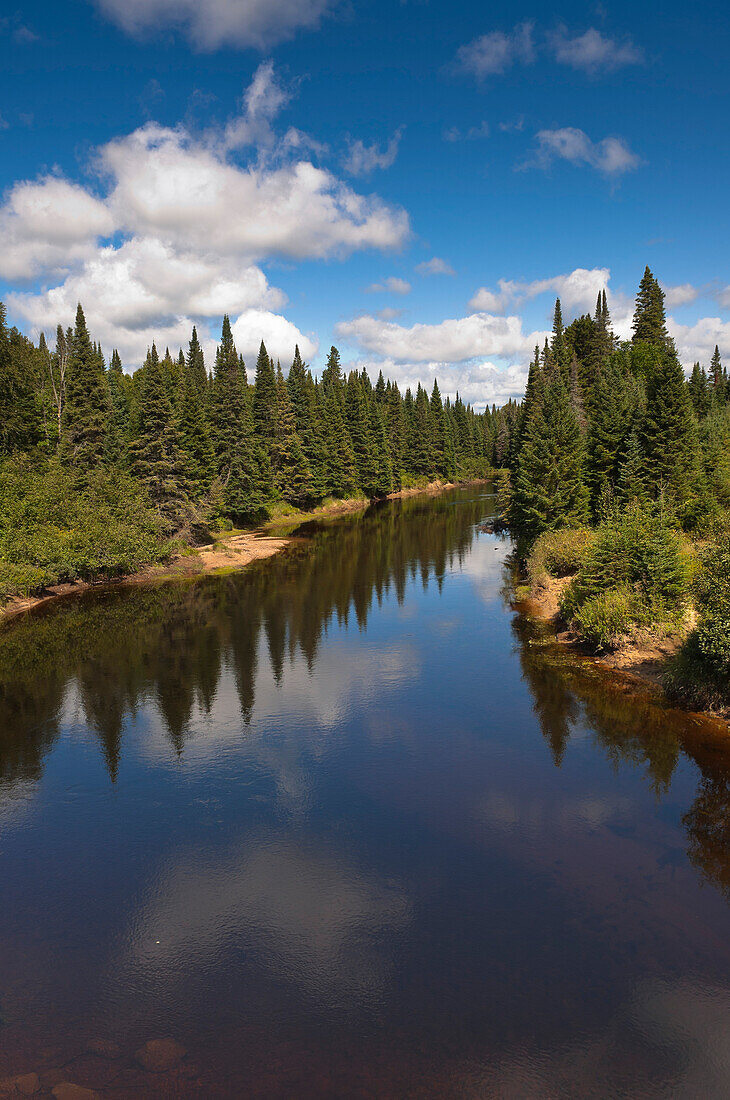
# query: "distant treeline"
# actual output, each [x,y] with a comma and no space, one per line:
[217,439]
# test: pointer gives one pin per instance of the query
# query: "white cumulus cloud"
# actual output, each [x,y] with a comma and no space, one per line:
[453,340]
[392,285]
[577,290]
[594,52]
[494,53]
[210,24]
[435,266]
[363,159]
[181,228]
[611,155]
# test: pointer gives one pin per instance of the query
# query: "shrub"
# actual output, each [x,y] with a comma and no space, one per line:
[639,558]
[51,530]
[558,554]
[700,675]
[608,616]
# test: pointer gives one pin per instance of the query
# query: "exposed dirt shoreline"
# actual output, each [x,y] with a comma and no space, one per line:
[230,552]
[640,663]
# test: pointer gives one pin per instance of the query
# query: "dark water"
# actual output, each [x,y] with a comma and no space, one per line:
[345,825]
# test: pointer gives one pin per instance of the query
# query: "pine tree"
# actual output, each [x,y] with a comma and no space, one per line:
[358,424]
[549,489]
[292,475]
[649,323]
[559,345]
[155,454]
[194,435]
[86,413]
[264,398]
[668,435]
[20,414]
[195,362]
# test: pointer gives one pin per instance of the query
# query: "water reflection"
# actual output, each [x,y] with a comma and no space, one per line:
[633,729]
[346,825]
[168,645]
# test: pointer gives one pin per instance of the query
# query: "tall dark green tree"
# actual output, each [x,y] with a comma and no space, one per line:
[155,455]
[195,361]
[549,489]
[20,414]
[264,398]
[86,413]
[649,323]
[668,433]
[292,475]
[194,435]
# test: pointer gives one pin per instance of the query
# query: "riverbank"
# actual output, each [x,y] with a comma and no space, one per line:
[229,552]
[640,662]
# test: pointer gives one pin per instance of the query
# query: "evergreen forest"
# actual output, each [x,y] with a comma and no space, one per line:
[613,470]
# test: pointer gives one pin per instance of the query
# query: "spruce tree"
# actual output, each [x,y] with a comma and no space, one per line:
[195,362]
[716,377]
[309,429]
[341,475]
[292,475]
[86,413]
[332,376]
[358,423]
[119,422]
[668,435]
[155,455]
[437,431]
[383,483]
[264,398]
[699,391]
[559,344]
[20,414]
[549,489]
[194,435]
[614,414]
[649,323]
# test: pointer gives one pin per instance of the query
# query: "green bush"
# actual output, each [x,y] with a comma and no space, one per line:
[52,530]
[558,554]
[700,675]
[607,617]
[640,560]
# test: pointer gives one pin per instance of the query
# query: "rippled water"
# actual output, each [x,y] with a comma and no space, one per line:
[345,825]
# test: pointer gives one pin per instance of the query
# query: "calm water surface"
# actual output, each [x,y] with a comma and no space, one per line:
[345,825]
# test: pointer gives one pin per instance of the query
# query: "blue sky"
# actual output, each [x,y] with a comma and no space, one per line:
[413,180]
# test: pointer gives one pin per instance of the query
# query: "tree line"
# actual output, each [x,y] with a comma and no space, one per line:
[222,447]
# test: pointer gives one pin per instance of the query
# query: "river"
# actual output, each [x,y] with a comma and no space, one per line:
[346,825]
